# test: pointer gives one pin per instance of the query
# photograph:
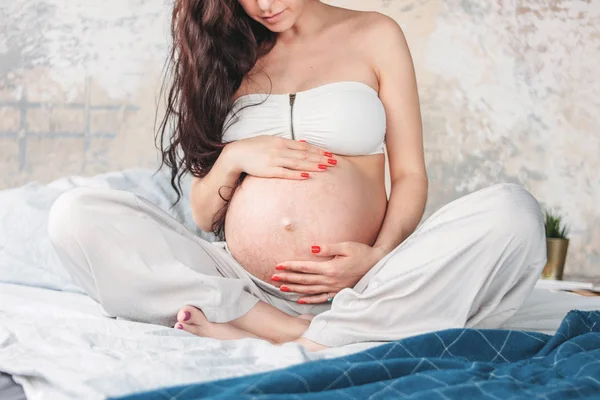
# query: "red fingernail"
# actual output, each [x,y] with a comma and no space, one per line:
[315,249]
[302,140]
[275,278]
[187,315]
[280,268]
[301,302]
[322,166]
[179,326]
[332,161]
[284,289]
[304,175]
[328,154]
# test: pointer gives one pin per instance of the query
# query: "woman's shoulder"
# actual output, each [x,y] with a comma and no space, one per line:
[371,28]
[371,22]
[374,34]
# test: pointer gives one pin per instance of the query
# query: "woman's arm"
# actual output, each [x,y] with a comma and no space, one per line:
[204,195]
[405,209]
[404,137]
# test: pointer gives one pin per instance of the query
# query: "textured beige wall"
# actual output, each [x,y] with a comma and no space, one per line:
[508,90]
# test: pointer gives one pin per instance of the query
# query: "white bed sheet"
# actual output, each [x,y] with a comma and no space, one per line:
[59,344]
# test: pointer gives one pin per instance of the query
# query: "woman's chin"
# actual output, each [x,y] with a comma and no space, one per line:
[280,24]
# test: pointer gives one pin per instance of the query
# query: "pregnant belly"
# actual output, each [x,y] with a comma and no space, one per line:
[275,220]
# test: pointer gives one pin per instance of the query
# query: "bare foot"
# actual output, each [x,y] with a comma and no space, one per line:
[192,320]
[266,321]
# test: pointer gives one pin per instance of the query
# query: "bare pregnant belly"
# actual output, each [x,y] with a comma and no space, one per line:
[275,220]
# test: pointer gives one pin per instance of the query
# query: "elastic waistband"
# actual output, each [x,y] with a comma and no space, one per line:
[222,245]
[274,291]
[264,286]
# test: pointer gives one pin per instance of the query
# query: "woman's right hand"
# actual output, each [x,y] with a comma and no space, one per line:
[275,157]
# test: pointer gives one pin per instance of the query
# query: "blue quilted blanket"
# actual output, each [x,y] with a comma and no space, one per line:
[452,364]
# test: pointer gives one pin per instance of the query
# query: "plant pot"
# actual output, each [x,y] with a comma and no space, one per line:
[556,250]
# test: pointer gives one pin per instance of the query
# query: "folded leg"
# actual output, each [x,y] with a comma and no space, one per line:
[471,264]
[141,264]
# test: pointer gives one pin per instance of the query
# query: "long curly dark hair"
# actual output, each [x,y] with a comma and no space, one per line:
[215,44]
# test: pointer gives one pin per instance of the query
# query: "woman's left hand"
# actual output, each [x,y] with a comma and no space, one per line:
[347,263]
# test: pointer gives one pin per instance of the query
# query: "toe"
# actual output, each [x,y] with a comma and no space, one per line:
[191,316]
[185,314]
[178,326]
[193,329]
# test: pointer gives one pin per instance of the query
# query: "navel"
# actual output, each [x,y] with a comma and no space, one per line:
[287,224]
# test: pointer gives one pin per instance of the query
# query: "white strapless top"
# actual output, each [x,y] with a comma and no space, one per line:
[345,118]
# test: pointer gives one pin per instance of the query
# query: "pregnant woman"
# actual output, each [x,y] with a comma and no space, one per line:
[281,110]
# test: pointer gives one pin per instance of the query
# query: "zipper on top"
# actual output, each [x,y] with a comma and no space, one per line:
[292,101]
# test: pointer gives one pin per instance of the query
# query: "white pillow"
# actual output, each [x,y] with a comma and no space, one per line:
[26,255]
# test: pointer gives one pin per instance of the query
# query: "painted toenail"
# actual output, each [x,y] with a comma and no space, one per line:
[187,315]
[179,326]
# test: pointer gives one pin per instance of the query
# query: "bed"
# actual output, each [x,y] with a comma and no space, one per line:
[56,343]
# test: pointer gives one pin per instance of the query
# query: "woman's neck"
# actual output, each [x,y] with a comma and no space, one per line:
[312,20]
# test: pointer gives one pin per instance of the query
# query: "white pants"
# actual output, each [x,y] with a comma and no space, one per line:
[471,264]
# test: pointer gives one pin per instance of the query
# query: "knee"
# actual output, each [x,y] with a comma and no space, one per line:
[516,213]
[69,213]
[71,236]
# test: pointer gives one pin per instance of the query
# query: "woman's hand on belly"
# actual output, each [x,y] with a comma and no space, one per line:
[343,266]
[274,157]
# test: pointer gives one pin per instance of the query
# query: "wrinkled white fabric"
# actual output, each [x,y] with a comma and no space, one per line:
[26,255]
[60,345]
[470,264]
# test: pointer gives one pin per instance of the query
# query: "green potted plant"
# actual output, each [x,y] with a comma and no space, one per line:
[557,243]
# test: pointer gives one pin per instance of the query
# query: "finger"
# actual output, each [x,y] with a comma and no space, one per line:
[331,250]
[300,165]
[284,173]
[316,299]
[303,145]
[308,156]
[306,267]
[305,289]
[300,279]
